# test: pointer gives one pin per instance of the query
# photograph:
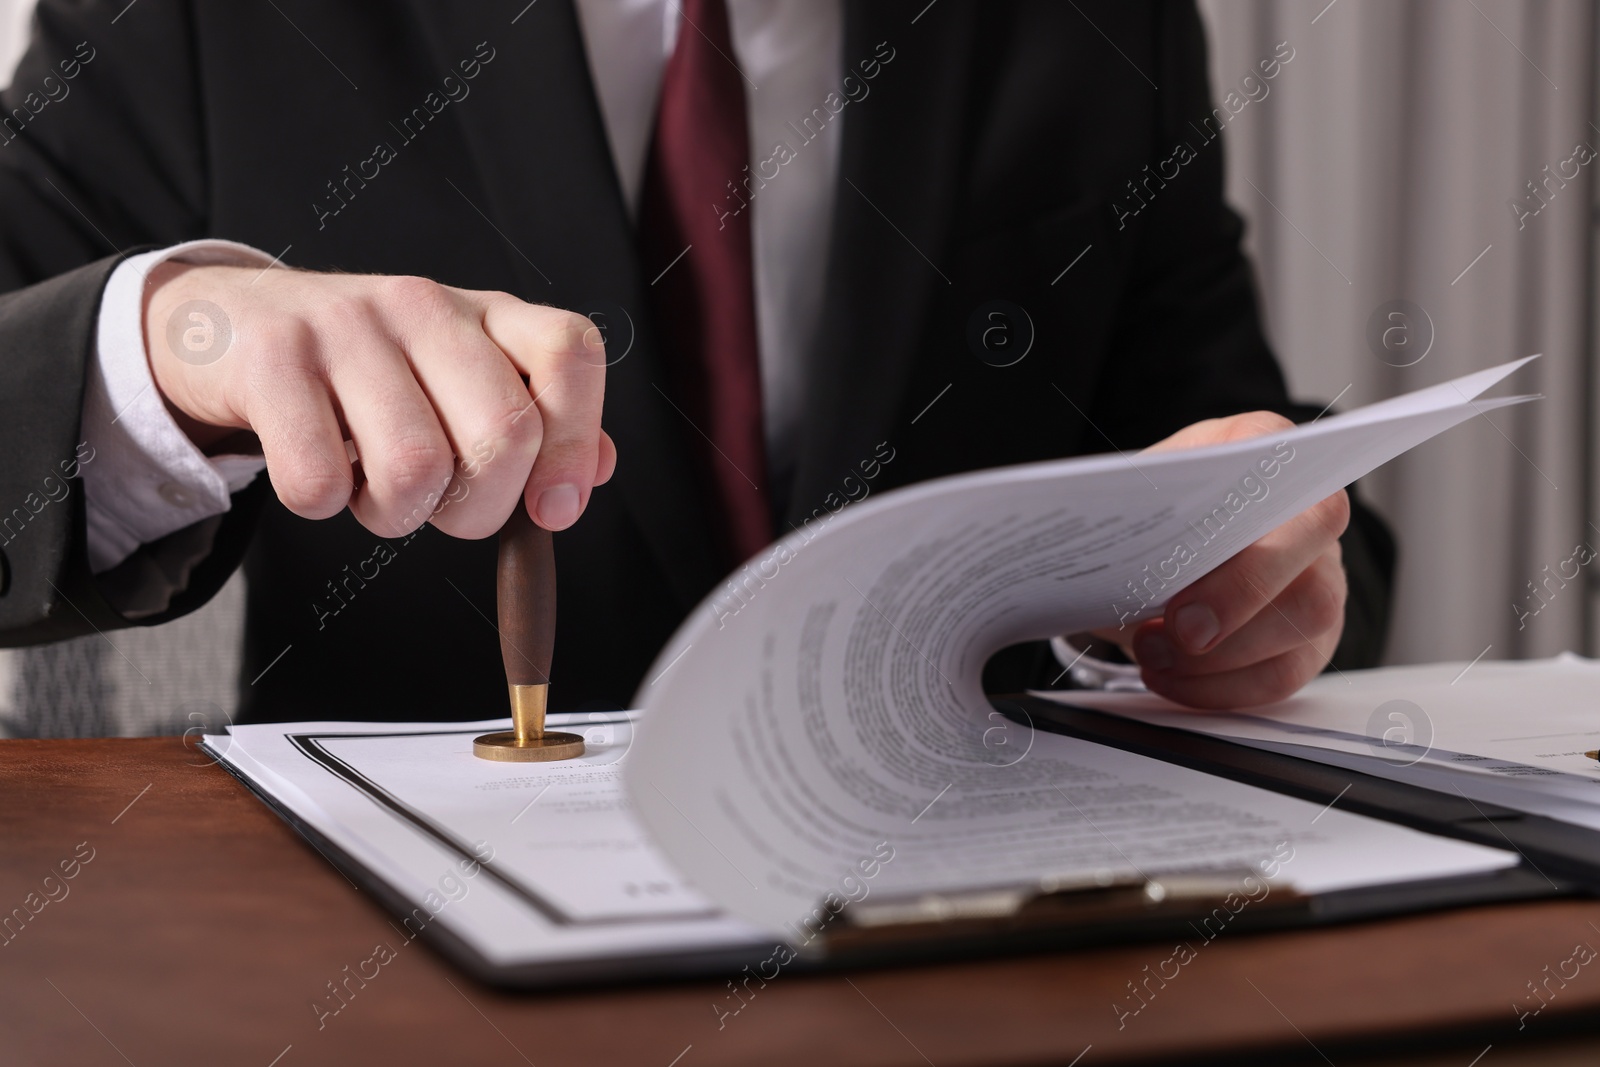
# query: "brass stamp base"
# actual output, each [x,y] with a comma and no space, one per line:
[508,748]
[527,741]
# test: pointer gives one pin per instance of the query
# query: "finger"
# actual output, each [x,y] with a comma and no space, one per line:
[563,356]
[1309,611]
[489,421]
[290,410]
[405,457]
[608,459]
[1217,431]
[1220,603]
[1260,683]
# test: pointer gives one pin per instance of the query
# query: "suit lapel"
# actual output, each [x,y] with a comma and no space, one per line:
[898,172]
[540,160]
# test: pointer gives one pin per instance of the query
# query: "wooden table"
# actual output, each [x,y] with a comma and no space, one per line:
[202,929]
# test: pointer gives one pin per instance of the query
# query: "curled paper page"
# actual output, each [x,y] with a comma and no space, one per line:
[821,717]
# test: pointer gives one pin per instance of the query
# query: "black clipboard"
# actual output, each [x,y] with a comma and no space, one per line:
[1558,859]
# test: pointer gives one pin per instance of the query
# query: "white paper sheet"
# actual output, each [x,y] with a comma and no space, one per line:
[834,683]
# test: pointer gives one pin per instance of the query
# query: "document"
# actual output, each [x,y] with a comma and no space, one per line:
[1515,734]
[834,682]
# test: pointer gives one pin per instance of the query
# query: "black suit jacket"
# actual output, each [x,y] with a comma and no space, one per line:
[986,158]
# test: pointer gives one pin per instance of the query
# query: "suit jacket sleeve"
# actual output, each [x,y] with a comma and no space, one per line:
[100,153]
[1188,337]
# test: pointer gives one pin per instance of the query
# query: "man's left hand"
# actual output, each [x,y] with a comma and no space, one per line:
[1263,624]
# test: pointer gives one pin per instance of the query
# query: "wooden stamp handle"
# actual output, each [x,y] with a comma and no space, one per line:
[527,599]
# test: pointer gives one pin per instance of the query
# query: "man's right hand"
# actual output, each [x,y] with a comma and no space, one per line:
[474,400]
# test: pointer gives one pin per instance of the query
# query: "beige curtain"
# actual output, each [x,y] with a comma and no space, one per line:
[1382,164]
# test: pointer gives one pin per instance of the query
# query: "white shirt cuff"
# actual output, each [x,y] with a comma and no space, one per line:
[145,479]
[1091,673]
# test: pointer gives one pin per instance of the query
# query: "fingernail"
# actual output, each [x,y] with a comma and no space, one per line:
[558,506]
[1196,626]
[1153,651]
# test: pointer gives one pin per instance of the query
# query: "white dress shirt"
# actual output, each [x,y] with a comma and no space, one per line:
[149,480]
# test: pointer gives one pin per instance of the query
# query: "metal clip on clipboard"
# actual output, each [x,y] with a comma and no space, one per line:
[1054,913]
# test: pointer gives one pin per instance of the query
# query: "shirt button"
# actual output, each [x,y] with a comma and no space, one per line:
[176,495]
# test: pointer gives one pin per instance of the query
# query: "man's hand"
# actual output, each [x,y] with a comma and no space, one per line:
[1261,625]
[458,404]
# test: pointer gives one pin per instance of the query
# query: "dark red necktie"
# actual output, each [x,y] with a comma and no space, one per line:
[699,254]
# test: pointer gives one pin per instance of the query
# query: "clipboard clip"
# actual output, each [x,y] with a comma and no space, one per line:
[1055,910]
